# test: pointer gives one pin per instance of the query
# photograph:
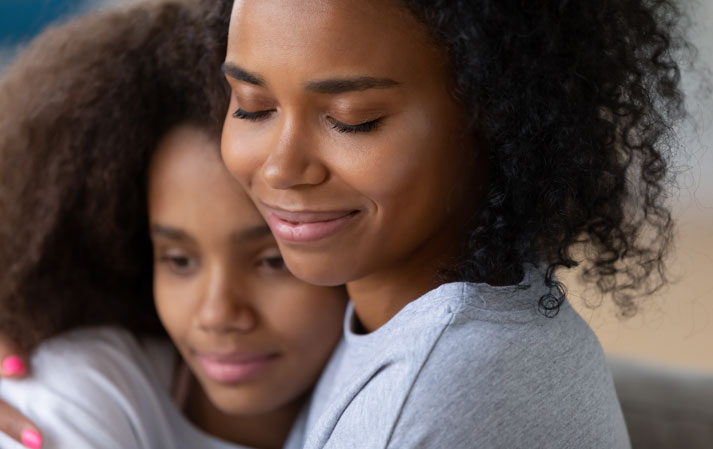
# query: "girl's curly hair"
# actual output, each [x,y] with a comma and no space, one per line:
[81,112]
[576,101]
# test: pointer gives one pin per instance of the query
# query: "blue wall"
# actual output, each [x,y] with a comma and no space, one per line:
[20,20]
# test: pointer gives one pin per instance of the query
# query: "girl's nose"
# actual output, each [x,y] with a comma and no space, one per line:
[223,310]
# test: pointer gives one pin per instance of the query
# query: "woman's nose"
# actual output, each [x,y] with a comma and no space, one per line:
[294,160]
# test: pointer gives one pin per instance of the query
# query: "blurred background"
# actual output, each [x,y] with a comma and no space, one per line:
[20,20]
[675,327]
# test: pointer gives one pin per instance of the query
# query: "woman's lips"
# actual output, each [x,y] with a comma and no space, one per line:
[307,226]
[233,368]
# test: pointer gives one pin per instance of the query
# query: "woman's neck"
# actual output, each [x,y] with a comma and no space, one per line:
[263,431]
[381,295]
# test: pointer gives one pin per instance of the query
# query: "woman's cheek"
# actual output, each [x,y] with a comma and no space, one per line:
[245,147]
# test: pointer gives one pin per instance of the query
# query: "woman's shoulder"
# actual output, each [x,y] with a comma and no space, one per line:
[524,341]
[501,329]
[514,375]
[485,326]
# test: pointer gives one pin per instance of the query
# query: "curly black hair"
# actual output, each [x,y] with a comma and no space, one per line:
[81,113]
[576,101]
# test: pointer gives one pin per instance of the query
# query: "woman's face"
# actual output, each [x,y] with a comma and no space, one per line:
[255,337]
[344,131]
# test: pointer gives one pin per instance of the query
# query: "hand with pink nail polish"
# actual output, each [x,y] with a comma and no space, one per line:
[13,423]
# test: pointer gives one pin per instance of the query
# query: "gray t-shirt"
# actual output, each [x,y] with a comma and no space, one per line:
[469,366]
[100,388]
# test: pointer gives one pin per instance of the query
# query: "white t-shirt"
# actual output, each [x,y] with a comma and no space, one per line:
[101,388]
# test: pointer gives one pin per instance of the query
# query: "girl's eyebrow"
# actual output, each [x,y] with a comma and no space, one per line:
[169,232]
[252,233]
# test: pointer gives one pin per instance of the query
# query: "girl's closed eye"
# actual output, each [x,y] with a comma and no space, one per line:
[178,262]
[271,263]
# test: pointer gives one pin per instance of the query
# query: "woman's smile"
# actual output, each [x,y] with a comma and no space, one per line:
[303,226]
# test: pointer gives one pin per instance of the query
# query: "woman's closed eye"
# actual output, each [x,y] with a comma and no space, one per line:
[363,127]
[339,126]
[253,116]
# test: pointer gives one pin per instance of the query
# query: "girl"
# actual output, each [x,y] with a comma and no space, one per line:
[84,125]
[443,159]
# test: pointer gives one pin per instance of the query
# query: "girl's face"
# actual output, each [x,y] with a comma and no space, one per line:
[255,337]
[344,131]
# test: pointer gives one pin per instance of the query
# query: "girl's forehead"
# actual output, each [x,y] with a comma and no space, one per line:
[189,182]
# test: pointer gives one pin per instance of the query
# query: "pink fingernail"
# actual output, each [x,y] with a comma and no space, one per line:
[32,439]
[13,365]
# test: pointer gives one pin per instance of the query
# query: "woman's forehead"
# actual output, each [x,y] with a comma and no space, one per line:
[326,37]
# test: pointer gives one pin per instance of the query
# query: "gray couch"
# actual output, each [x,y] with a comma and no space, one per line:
[665,408]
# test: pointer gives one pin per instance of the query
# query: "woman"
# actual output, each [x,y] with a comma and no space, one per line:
[443,160]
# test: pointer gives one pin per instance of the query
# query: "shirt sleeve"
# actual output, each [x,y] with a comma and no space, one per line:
[67,423]
[78,394]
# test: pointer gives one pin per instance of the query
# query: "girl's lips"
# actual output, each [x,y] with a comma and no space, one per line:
[308,226]
[234,368]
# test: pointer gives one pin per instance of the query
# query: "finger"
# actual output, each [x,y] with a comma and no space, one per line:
[18,427]
[13,363]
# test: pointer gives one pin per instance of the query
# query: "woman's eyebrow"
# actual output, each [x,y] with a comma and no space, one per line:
[169,232]
[238,73]
[342,85]
[329,86]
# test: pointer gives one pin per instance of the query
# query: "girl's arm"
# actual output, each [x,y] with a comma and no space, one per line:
[13,423]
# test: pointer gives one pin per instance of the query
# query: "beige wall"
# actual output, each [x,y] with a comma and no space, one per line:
[676,326]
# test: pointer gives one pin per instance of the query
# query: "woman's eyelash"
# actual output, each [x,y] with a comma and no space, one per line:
[360,128]
[336,124]
[253,116]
